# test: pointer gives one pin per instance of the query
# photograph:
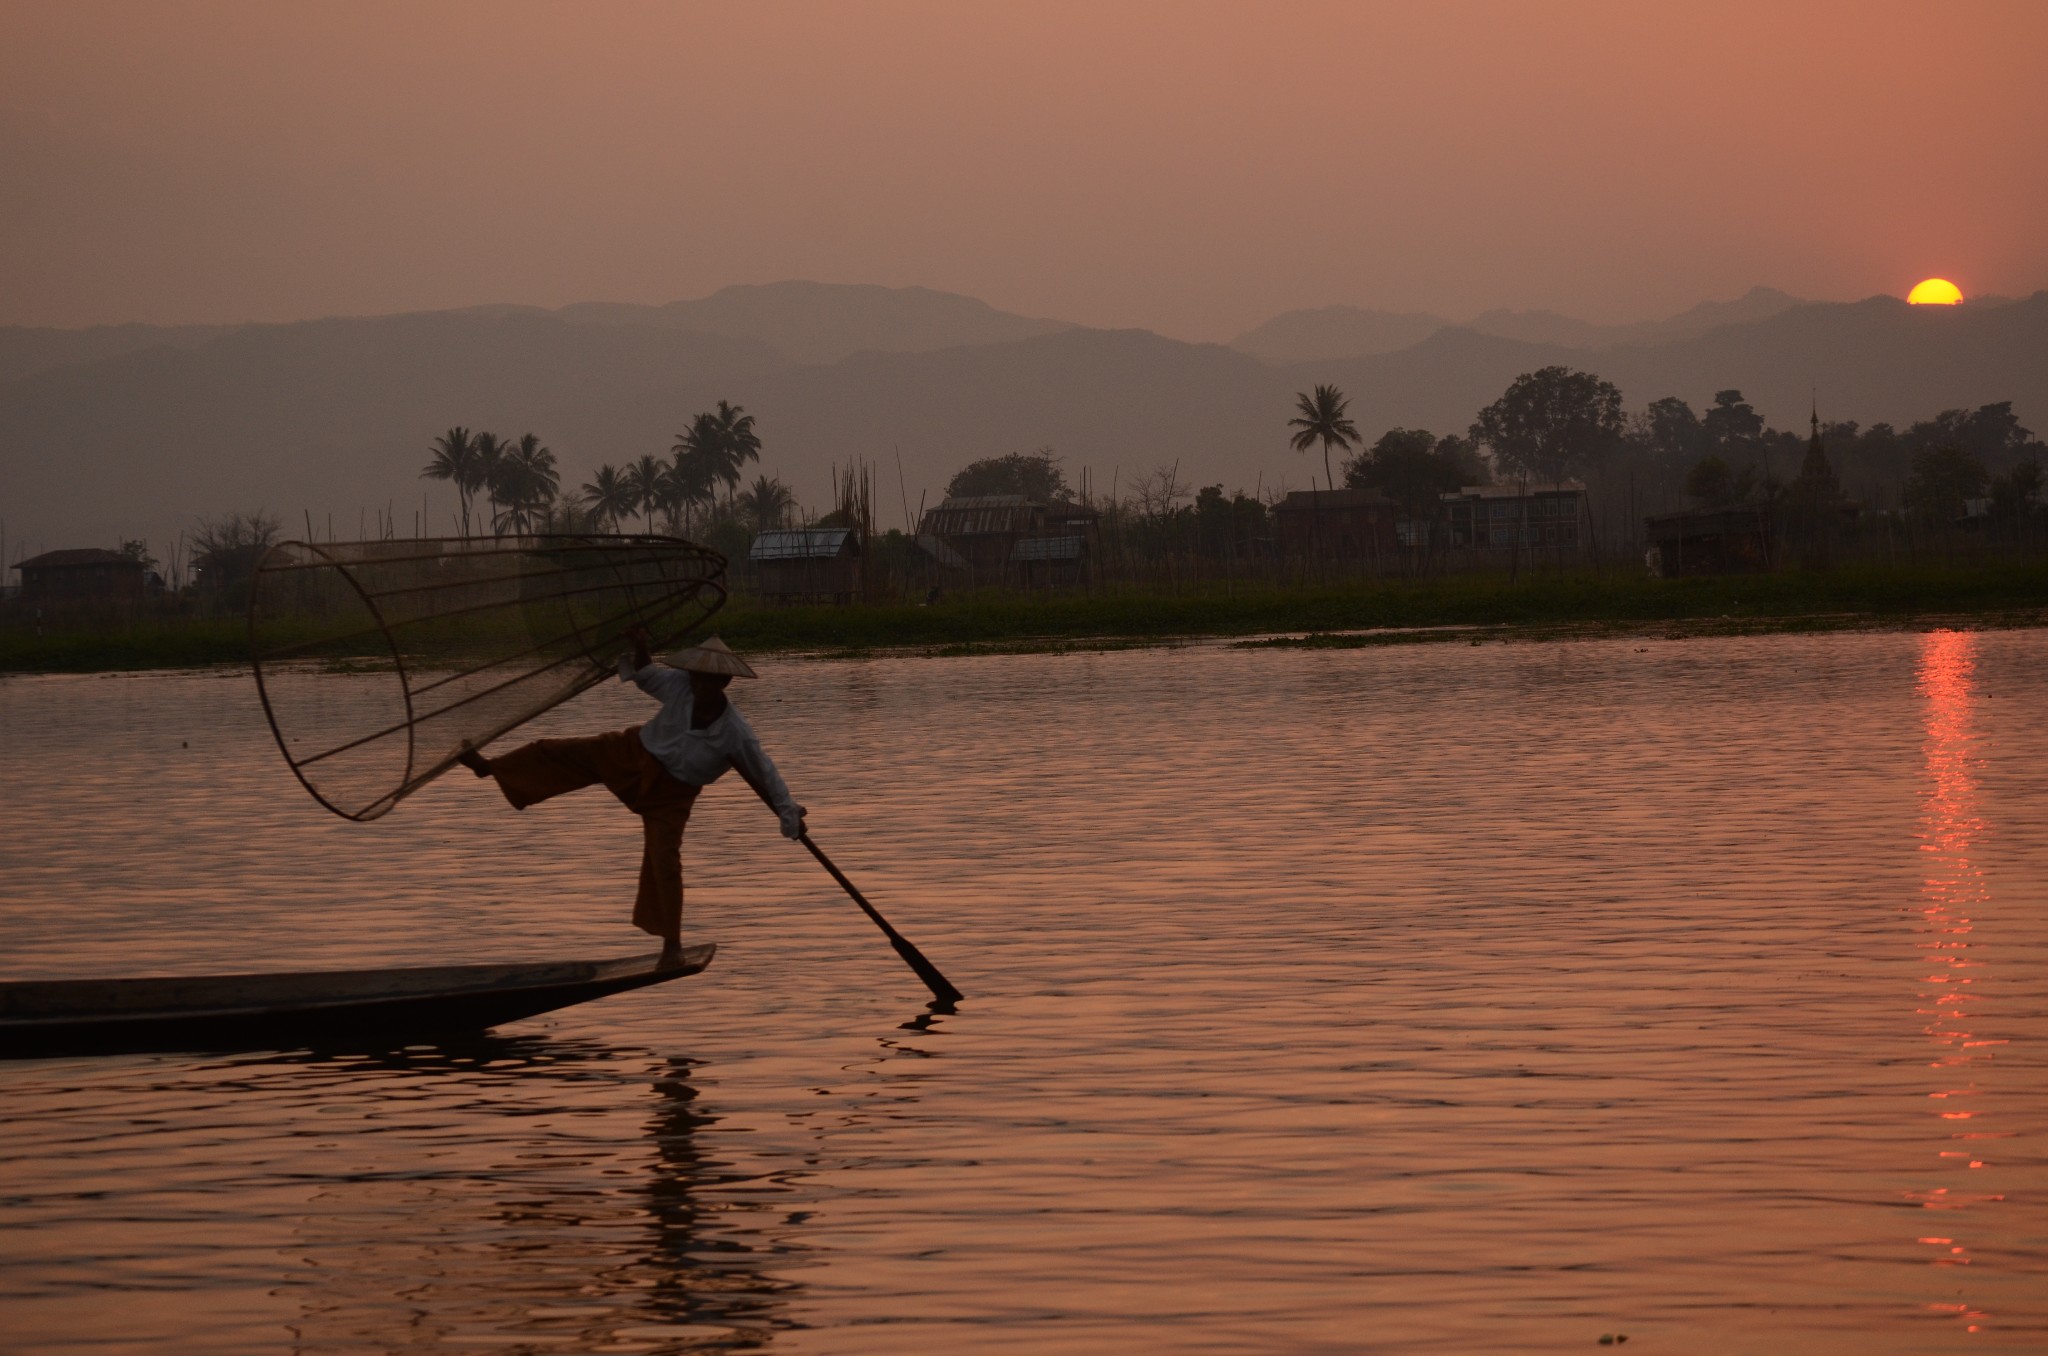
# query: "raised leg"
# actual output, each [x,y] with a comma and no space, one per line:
[545,768]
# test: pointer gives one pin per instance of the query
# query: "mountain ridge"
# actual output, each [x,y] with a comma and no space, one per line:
[336,415]
[807,322]
[1340,332]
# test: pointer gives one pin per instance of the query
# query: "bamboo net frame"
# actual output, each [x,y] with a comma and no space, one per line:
[460,639]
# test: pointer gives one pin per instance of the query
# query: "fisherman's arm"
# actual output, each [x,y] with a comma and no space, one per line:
[637,666]
[758,769]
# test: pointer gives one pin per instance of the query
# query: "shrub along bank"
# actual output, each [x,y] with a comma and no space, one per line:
[1536,605]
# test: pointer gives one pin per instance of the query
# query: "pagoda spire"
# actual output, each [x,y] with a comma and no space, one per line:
[1816,476]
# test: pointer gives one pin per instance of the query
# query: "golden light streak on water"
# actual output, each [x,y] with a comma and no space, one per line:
[1954,891]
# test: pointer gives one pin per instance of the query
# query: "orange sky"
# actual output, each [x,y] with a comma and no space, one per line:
[1190,168]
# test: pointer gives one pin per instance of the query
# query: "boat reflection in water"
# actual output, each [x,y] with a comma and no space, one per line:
[571,1230]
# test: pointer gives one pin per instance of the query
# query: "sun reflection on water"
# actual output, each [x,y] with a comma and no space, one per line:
[1953,892]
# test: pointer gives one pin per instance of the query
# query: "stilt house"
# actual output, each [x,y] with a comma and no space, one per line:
[86,574]
[1733,540]
[1008,538]
[1493,524]
[806,565]
[1335,524]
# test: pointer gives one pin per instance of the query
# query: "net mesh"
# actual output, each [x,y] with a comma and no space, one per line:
[462,640]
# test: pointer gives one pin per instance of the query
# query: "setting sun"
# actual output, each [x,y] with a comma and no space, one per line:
[1935,292]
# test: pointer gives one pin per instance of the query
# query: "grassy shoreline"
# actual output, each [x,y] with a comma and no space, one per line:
[1540,607]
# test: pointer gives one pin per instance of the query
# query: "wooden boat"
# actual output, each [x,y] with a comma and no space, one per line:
[314,1007]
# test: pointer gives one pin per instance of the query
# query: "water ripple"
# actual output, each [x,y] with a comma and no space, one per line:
[1441,999]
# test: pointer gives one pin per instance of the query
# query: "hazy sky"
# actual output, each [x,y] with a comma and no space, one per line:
[1191,168]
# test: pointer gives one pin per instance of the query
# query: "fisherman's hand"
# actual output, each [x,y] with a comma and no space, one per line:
[792,821]
[640,656]
[643,649]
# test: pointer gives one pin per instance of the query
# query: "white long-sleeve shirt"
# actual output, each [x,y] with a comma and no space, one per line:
[700,757]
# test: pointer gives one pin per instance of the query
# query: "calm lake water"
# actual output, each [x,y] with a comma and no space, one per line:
[1431,999]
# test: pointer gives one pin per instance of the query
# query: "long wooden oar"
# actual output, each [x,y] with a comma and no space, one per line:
[941,987]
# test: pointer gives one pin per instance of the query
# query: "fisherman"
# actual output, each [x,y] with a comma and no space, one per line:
[656,769]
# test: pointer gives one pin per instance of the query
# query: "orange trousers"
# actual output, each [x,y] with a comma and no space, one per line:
[551,767]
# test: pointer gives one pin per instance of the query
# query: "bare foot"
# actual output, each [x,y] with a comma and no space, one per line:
[473,760]
[671,955]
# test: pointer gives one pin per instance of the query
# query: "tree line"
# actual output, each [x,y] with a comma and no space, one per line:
[1558,424]
[520,489]
[518,481]
[1551,425]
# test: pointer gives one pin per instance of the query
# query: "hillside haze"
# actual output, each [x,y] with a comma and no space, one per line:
[822,323]
[1353,332]
[1336,332]
[335,416]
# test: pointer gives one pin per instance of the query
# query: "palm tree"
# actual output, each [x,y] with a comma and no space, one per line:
[1322,419]
[539,461]
[527,481]
[610,496]
[688,481]
[488,473]
[737,441]
[725,441]
[643,479]
[455,461]
[567,518]
[703,447]
[766,502]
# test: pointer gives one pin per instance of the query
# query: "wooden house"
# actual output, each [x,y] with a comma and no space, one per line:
[1008,538]
[1493,524]
[1733,540]
[85,574]
[1053,561]
[1335,524]
[807,564]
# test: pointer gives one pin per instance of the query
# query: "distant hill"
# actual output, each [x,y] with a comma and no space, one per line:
[1548,327]
[1337,332]
[25,351]
[1871,360]
[336,415]
[805,322]
[1758,303]
[824,322]
[1119,402]
[1440,384]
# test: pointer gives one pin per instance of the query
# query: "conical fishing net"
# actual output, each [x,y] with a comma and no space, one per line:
[454,641]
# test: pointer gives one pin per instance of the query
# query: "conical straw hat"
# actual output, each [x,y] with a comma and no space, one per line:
[710,656]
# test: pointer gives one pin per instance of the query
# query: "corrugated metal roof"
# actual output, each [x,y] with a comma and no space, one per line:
[1049,548]
[803,543]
